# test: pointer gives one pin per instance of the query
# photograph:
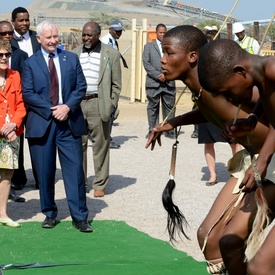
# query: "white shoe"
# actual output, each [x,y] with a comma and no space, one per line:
[9,222]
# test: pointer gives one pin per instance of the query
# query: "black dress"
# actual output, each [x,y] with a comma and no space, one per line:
[209,133]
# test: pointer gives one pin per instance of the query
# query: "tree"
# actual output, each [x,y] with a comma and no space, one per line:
[210,23]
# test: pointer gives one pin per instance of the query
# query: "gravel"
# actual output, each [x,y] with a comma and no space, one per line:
[137,179]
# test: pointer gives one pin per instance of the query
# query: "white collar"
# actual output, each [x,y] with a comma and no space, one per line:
[26,35]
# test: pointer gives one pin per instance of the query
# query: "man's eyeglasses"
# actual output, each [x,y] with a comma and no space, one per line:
[6,33]
[7,55]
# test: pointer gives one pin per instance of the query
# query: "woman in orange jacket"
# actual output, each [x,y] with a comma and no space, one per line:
[12,113]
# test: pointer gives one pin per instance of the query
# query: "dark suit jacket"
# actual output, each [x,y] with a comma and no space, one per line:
[17,59]
[151,62]
[35,43]
[36,93]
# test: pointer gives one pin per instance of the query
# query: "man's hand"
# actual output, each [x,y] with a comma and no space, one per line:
[242,127]
[60,112]
[161,78]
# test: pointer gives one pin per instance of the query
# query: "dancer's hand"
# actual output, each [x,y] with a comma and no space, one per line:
[242,127]
[248,183]
[154,136]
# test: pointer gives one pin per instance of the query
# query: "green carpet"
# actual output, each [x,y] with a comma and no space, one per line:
[113,248]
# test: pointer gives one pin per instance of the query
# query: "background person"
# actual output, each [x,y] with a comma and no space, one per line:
[195,133]
[12,113]
[101,67]
[209,134]
[158,90]
[16,61]
[53,87]
[18,56]
[246,42]
[25,40]
[115,32]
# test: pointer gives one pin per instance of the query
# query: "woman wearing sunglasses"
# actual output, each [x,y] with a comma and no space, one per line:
[12,113]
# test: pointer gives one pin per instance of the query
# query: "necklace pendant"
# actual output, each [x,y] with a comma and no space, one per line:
[199,95]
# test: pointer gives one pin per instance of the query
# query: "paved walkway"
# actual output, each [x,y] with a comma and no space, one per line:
[138,177]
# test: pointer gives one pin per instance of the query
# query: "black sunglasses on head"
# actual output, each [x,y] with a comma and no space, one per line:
[7,55]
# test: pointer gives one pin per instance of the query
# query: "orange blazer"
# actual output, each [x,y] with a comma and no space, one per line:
[11,101]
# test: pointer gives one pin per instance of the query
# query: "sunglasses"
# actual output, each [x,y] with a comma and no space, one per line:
[6,33]
[7,55]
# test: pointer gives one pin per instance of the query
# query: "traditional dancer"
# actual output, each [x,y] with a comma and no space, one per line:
[234,75]
[223,234]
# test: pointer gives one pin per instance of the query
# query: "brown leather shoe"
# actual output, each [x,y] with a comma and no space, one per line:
[98,193]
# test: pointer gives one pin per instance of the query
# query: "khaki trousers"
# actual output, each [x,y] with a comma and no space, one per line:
[99,133]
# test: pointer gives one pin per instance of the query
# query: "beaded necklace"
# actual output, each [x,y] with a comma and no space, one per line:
[199,95]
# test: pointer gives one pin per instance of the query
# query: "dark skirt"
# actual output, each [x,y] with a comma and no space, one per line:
[209,133]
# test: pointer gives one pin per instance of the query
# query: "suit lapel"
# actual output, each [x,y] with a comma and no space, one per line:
[42,64]
[157,48]
[62,62]
[104,59]
[34,42]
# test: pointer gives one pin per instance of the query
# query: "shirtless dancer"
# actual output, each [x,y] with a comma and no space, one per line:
[225,247]
[235,77]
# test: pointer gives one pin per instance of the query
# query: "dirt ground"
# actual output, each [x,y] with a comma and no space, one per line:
[137,179]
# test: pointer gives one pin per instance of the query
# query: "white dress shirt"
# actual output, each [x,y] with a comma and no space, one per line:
[25,44]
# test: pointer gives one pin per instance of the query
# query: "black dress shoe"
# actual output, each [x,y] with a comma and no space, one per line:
[49,222]
[17,186]
[148,135]
[211,183]
[170,134]
[82,226]
[113,145]
[15,198]
[195,134]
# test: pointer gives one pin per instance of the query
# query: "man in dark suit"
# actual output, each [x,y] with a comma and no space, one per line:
[157,88]
[18,56]
[23,38]
[16,63]
[53,88]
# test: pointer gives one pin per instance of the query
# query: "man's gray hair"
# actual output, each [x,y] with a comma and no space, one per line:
[45,25]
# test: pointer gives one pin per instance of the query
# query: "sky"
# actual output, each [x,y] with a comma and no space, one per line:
[246,10]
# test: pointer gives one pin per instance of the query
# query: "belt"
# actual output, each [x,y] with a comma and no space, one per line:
[87,97]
